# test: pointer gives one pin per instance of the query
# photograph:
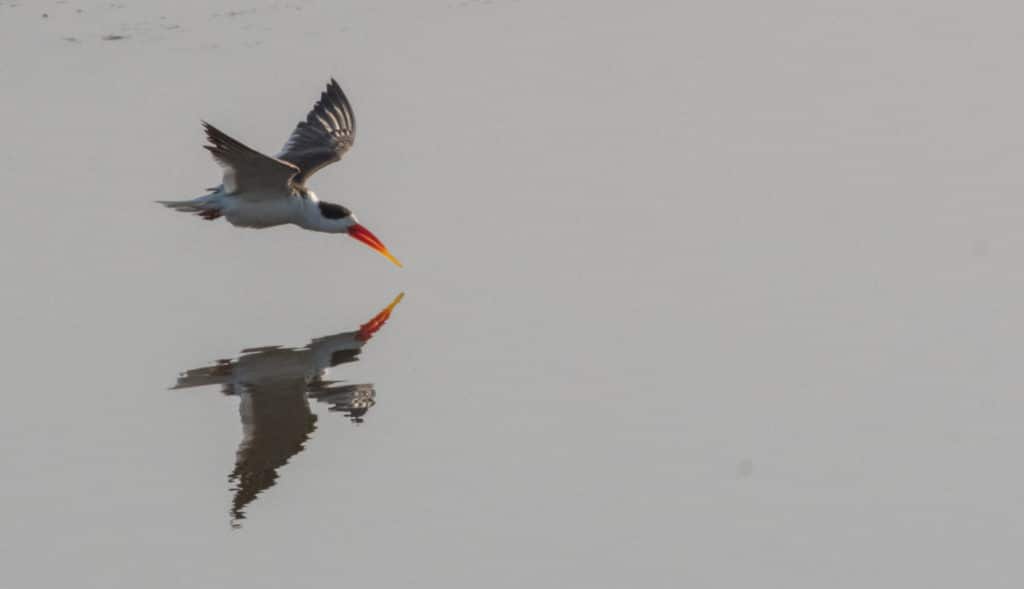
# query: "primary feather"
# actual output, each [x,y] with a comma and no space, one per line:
[327,133]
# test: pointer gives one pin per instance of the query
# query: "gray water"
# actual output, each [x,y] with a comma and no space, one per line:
[713,295]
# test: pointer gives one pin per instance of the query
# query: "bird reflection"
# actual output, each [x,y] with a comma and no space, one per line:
[274,385]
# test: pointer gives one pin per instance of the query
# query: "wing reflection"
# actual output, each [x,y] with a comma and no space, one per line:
[274,385]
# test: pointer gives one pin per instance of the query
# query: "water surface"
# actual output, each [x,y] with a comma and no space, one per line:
[708,295]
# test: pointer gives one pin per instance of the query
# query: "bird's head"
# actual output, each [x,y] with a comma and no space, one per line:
[338,219]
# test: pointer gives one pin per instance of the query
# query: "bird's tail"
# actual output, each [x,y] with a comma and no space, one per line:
[203,205]
[186,206]
[220,373]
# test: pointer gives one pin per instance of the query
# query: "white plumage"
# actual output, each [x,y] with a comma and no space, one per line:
[260,191]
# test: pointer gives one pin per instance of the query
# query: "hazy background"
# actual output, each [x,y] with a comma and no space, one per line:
[714,294]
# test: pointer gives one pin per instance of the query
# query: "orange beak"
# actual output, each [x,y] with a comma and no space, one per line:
[369,328]
[363,234]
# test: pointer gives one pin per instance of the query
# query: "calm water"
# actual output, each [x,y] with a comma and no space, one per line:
[713,295]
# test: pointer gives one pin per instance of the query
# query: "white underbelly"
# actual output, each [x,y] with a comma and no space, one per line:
[263,213]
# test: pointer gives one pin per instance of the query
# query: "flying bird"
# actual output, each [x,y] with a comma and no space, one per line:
[261,191]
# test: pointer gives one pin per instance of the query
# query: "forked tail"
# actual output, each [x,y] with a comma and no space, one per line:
[203,206]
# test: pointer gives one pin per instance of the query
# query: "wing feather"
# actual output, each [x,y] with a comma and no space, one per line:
[245,169]
[327,133]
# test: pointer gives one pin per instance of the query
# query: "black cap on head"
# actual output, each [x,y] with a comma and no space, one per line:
[333,211]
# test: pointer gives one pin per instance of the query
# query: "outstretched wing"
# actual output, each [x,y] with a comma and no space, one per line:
[327,133]
[276,424]
[245,169]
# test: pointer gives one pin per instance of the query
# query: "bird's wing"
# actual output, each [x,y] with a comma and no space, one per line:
[276,424]
[353,400]
[327,133]
[247,171]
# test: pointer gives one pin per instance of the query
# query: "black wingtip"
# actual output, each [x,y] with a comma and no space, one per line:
[216,136]
[334,89]
[210,130]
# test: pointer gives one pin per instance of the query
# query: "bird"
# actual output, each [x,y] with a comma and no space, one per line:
[260,191]
[274,385]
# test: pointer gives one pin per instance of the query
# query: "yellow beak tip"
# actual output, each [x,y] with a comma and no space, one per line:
[395,302]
